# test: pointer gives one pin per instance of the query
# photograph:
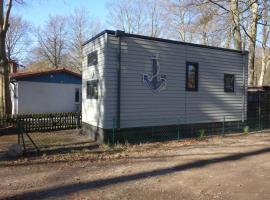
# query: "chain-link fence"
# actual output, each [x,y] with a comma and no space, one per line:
[176,131]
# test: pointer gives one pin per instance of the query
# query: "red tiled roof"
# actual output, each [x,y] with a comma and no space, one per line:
[31,74]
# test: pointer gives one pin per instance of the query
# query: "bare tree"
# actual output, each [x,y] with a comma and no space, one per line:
[265,37]
[180,17]
[235,18]
[154,18]
[196,21]
[245,21]
[137,16]
[52,40]
[5,98]
[17,38]
[123,14]
[254,9]
[210,25]
[228,38]
[81,27]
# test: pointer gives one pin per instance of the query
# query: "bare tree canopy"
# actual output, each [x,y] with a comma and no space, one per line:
[60,40]
[18,38]
[53,40]
[138,16]
[81,27]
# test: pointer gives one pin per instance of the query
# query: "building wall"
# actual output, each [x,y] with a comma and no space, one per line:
[14,97]
[93,109]
[41,97]
[142,107]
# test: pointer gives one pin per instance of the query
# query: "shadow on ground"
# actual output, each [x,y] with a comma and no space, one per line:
[64,149]
[71,188]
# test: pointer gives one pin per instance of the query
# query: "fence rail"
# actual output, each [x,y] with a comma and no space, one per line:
[44,121]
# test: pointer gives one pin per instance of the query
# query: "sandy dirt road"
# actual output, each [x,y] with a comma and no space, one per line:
[231,167]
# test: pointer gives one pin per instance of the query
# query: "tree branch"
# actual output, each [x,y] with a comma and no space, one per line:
[6,19]
[219,5]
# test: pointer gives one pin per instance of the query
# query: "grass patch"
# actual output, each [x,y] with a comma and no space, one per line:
[54,140]
[201,133]
[246,130]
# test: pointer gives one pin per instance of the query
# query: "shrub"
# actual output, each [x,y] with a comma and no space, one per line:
[201,133]
[246,130]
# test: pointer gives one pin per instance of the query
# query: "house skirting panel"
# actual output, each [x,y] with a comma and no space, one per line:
[160,133]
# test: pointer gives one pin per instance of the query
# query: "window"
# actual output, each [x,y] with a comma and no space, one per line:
[191,76]
[92,59]
[77,95]
[228,83]
[92,89]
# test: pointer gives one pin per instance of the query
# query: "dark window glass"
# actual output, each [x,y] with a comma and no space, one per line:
[77,95]
[92,59]
[92,89]
[191,76]
[228,83]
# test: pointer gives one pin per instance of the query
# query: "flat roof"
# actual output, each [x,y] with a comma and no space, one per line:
[111,32]
[258,88]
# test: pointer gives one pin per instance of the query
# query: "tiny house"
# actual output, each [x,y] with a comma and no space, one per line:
[57,90]
[132,81]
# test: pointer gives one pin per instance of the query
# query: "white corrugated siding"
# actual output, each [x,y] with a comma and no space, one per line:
[93,109]
[142,107]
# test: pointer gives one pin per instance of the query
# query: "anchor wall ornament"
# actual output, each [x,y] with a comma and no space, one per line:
[156,82]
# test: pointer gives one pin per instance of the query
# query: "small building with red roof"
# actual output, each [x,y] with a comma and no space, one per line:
[57,90]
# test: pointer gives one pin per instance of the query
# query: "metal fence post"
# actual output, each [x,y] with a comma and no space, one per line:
[223,127]
[113,131]
[20,126]
[78,120]
[178,129]
[18,131]
[259,111]
[152,133]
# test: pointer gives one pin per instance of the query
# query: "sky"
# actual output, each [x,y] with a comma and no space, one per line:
[38,11]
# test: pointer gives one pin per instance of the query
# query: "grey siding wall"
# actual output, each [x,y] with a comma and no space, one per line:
[142,107]
[93,109]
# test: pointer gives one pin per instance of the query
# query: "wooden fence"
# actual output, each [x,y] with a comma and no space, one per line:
[43,122]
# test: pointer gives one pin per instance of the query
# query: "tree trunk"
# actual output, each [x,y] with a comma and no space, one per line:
[245,37]
[228,38]
[236,25]
[265,33]
[5,100]
[265,66]
[260,81]
[5,97]
[252,42]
